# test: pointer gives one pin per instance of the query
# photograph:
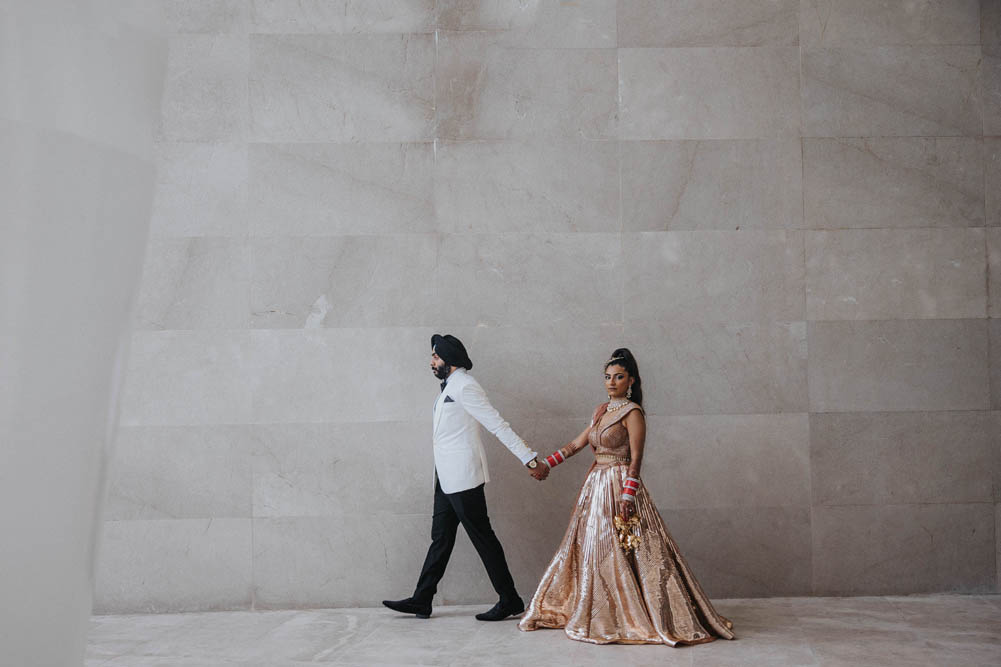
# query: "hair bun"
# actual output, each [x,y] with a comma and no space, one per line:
[623,355]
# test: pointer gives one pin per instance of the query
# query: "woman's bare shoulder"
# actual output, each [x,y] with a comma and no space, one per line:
[633,413]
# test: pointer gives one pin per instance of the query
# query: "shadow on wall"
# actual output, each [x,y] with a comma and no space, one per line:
[81,88]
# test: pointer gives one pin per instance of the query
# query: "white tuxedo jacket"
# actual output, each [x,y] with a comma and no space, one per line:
[459,459]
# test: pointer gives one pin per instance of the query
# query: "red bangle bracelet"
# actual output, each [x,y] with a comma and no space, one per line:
[629,488]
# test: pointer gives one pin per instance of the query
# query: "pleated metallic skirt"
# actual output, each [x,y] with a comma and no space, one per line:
[601,594]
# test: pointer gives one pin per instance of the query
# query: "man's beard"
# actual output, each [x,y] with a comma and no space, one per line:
[441,372]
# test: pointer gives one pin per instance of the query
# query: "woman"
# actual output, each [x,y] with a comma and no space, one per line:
[593,588]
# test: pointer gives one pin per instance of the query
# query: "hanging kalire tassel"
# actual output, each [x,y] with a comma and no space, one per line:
[629,537]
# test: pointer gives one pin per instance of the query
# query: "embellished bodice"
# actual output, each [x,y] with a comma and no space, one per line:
[608,436]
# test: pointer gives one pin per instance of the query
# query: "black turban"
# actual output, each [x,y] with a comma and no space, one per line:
[451,350]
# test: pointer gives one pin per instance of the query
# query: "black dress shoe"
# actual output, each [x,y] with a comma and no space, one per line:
[502,610]
[408,606]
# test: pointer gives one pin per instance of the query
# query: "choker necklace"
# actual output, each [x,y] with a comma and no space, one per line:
[615,404]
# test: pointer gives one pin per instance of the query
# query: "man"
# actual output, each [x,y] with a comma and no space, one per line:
[460,474]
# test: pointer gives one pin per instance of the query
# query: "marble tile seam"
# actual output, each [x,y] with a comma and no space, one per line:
[557,417]
[705,233]
[886,45]
[374,511]
[669,415]
[900,319]
[987,274]
[776,47]
[244,424]
[431,30]
[134,425]
[442,234]
[362,35]
[624,232]
[931,597]
[903,412]
[973,137]
[745,322]
[551,138]
[904,319]
[989,503]
[254,577]
[282,517]
[400,327]
[910,411]
[888,229]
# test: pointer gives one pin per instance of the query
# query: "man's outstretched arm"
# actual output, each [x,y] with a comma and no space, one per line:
[474,401]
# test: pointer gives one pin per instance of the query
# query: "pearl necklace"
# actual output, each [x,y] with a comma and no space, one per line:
[611,408]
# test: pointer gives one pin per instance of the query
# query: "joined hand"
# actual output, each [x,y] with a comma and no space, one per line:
[540,472]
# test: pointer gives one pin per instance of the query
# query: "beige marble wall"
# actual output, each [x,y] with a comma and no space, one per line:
[788,209]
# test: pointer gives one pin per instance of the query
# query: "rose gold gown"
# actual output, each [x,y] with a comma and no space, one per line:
[602,595]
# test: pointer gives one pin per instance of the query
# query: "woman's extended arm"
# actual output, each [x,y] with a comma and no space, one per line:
[575,445]
[568,450]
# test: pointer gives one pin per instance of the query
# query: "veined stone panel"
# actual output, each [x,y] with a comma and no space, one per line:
[877,458]
[714,184]
[881,182]
[679,23]
[341,88]
[709,93]
[331,189]
[569,25]
[205,92]
[875,274]
[893,549]
[863,22]
[872,366]
[485,89]
[891,91]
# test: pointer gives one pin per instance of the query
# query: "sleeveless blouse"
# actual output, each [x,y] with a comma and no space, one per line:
[611,438]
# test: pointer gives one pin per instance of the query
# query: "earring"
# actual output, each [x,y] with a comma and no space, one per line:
[629,392]
[609,396]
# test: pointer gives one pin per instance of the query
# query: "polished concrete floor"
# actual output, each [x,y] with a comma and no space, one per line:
[885,631]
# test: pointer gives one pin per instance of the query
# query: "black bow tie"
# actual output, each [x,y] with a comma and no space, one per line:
[443,383]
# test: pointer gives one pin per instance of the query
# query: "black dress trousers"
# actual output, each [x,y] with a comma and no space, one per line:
[468,508]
